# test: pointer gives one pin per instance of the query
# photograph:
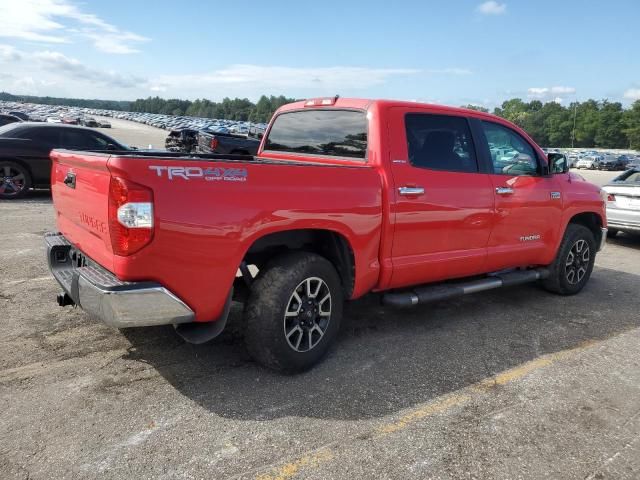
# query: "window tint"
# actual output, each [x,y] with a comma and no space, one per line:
[48,136]
[82,139]
[510,153]
[440,142]
[339,133]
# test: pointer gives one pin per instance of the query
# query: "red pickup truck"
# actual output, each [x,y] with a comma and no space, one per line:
[345,197]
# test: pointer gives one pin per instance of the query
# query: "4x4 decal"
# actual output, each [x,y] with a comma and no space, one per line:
[209,173]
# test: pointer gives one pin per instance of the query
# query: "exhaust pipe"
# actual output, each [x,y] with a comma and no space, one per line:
[433,293]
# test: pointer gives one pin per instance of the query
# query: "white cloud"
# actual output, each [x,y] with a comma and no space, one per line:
[70,67]
[67,76]
[554,94]
[33,72]
[60,21]
[492,8]
[9,53]
[266,78]
[450,71]
[632,94]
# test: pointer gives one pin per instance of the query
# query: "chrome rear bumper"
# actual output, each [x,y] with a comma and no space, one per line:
[112,301]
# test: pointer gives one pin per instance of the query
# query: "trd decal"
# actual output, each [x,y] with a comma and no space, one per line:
[209,174]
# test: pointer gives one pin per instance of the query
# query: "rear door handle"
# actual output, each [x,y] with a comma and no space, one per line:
[410,191]
[504,190]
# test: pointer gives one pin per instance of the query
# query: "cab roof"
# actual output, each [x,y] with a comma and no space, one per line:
[366,104]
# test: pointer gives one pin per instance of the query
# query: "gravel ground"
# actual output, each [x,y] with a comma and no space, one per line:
[513,383]
[134,134]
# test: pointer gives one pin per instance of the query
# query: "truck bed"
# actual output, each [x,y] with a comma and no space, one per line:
[209,209]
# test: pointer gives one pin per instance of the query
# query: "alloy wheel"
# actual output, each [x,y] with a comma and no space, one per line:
[308,314]
[12,181]
[577,262]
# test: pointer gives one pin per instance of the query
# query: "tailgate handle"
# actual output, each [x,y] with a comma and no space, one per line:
[70,180]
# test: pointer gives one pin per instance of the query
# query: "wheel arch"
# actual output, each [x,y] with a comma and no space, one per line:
[20,162]
[592,220]
[332,245]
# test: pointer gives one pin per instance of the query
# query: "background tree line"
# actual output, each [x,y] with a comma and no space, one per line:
[601,124]
[69,102]
[230,109]
[581,124]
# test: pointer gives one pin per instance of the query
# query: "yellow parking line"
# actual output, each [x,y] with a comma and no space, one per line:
[423,412]
[288,470]
[313,460]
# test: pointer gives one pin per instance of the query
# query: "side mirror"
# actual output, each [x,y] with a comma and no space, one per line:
[558,163]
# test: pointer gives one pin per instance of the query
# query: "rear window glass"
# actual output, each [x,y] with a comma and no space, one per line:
[334,133]
[632,176]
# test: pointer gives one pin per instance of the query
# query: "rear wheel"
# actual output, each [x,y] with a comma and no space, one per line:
[612,232]
[572,267]
[15,180]
[293,312]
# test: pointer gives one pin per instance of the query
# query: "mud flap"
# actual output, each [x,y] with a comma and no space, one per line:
[201,332]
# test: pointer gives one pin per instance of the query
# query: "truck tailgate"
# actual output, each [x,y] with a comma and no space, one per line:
[80,190]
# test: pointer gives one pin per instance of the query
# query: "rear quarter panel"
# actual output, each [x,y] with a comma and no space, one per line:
[205,224]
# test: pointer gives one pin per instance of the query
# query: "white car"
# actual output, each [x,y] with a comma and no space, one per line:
[591,162]
[623,203]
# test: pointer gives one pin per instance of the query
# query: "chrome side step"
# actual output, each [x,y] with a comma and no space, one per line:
[432,293]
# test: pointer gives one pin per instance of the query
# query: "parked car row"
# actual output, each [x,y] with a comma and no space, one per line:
[74,115]
[594,160]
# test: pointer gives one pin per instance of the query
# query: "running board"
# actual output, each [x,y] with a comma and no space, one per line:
[432,293]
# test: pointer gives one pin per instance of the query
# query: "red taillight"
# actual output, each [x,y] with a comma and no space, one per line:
[213,144]
[611,198]
[130,216]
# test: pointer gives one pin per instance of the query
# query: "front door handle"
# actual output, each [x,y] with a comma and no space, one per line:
[410,191]
[504,190]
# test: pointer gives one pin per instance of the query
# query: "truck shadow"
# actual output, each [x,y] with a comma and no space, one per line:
[386,360]
[626,240]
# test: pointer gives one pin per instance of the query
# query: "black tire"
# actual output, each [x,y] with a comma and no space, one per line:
[570,259]
[15,180]
[612,232]
[271,297]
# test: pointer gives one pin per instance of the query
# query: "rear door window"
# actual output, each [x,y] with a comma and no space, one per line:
[47,136]
[332,133]
[80,139]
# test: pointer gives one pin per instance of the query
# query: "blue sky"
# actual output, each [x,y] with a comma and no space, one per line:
[454,52]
